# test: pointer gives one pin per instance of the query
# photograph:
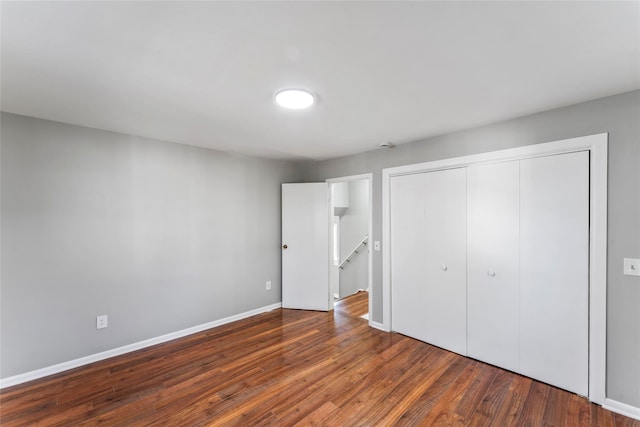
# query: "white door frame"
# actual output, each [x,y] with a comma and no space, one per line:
[369,177]
[597,146]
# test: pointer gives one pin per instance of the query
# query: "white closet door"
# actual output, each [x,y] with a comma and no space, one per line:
[492,261]
[407,268]
[428,252]
[554,268]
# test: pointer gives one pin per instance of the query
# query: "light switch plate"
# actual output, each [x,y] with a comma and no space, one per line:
[632,266]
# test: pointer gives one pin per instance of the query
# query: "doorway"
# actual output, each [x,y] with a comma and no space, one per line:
[350,238]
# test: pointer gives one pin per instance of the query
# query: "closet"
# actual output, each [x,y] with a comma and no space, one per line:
[492,261]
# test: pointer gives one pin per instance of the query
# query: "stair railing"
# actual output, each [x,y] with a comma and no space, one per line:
[354,252]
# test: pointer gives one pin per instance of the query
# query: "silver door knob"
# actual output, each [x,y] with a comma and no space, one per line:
[444,267]
[491,273]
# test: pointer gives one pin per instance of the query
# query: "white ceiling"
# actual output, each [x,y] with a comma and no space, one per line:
[204,73]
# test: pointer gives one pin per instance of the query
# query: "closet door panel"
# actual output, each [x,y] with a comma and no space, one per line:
[407,253]
[492,261]
[430,306]
[444,310]
[554,267]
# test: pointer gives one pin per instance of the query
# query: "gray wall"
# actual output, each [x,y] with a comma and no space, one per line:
[354,225]
[619,116]
[159,236]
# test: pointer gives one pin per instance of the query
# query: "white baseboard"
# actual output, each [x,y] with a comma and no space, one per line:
[65,366]
[622,408]
[377,326]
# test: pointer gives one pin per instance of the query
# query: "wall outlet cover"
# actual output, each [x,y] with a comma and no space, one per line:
[102,321]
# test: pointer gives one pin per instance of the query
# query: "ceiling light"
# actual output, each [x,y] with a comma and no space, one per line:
[295,98]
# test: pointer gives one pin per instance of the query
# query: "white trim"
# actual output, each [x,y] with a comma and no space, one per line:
[350,178]
[386,251]
[622,408]
[65,366]
[598,270]
[525,152]
[597,145]
[369,177]
[377,325]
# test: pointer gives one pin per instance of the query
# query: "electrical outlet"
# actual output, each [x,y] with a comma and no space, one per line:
[268,287]
[102,321]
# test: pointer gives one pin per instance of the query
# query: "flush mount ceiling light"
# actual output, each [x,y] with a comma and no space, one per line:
[295,99]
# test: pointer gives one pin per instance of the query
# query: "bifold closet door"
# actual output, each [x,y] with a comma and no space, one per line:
[492,263]
[554,269]
[428,257]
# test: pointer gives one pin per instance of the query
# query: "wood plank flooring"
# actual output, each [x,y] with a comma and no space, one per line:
[290,367]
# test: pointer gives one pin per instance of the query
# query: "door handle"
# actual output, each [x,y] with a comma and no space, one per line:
[491,273]
[284,246]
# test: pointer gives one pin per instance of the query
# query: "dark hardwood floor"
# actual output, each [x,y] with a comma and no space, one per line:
[289,367]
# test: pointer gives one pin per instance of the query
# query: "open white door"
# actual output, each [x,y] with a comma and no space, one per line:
[305,246]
